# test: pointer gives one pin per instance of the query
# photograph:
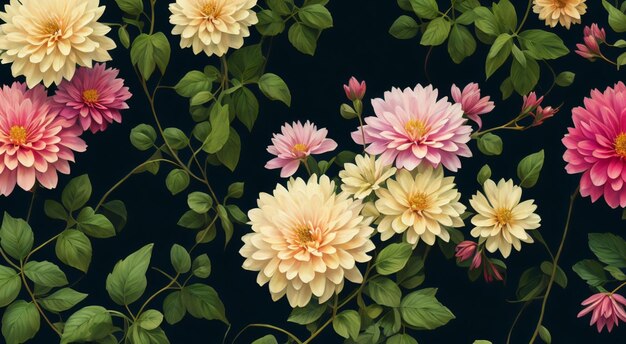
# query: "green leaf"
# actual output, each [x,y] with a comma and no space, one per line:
[269,339]
[486,21]
[73,248]
[45,274]
[405,5]
[230,153]
[505,15]
[483,174]
[426,9]
[138,335]
[282,7]
[531,284]
[20,322]
[616,273]
[236,214]
[201,266]
[220,129]
[347,324]
[316,16]
[545,335]
[480,341]
[506,88]
[490,144]
[173,308]
[401,339]
[617,19]
[393,258]
[246,64]
[560,278]
[202,301]
[404,27]
[270,23]
[200,98]
[519,55]
[150,319]
[543,45]
[461,43]
[307,314]
[143,137]
[10,285]
[95,225]
[235,190]
[246,106]
[181,261]
[149,52]
[498,54]
[76,193]
[88,324]
[565,79]
[199,202]
[384,292]
[303,38]
[274,88]
[436,32]
[177,181]
[55,210]
[176,138]
[422,310]
[192,220]
[529,168]
[128,280]
[466,18]
[192,83]
[132,7]
[16,237]
[591,271]
[621,60]
[227,225]
[525,78]
[123,36]
[62,300]
[609,248]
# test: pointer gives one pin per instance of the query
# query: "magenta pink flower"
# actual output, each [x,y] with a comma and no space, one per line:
[355,90]
[531,102]
[465,250]
[35,142]
[607,308]
[472,104]
[295,144]
[596,145]
[412,126]
[94,97]
[590,49]
[596,32]
[541,114]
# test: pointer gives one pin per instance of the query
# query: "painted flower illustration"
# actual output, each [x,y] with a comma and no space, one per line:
[563,12]
[607,310]
[472,104]
[364,176]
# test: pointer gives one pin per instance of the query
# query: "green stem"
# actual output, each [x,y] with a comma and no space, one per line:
[519,315]
[153,296]
[152,2]
[32,202]
[328,322]
[555,265]
[272,327]
[32,296]
[168,276]
[521,24]
[305,162]
[618,288]
[40,247]
[8,260]
[360,117]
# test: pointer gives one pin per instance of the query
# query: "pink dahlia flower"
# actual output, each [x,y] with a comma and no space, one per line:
[295,144]
[94,96]
[607,308]
[471,102]
[412,126]
[596,146]
[35,142]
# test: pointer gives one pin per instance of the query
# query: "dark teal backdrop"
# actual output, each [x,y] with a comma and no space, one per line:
[358,45]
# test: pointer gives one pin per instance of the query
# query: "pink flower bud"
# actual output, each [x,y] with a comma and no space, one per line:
[592,44]
[476,262]
[541,114]
[607,308]
[491,273]
[595,31]
[465,250]
[472,104]
[355,90]
[531,102]
[584,51]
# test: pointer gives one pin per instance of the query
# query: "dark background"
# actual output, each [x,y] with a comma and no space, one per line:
[359,44]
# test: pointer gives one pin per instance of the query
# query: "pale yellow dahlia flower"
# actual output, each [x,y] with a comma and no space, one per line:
[365,176]
[564,12]
[45,40]
[212,26]
[307,240]
[502,221]
[419,203]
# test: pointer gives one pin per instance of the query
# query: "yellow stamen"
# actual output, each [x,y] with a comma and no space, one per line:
[90,96]
[620,145]
[299,148]
[209,9]
[416,129]
[504,216]
[17,135]
[560,3]
[303,235]
[419,202]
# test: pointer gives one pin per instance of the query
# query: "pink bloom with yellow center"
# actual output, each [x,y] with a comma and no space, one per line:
[413,126]
[471,102]
[35,142]
[94,96]
[596,146]
[607,310]
[296,143]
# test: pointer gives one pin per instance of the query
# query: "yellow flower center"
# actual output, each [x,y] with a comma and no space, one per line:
[419,202]
[561,3]
[504,216]
[620,145]
[17,135]
[90,96]
[303,235]
[299,148]
[209,9]
[415,129]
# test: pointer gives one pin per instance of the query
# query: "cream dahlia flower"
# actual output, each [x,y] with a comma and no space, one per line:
[419,203]
[502,221]
[365,176]
[212,26]
[45,40]
[564,12]
[306,240]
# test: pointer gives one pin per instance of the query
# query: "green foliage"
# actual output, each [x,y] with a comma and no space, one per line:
[220,129]
[274,88]
[150,51]
[246,64]
[45,274]
[436,32]
[16,237]
[194,82]
[128,280]
[461,43]
[421,309]
[201,267]
[303,38]
[62,300]
[94,225]
[384,292]
[269,339]
[227,225]
[246,106]
[199,202]
[230,153]
[87,324]
[73,248]
[150,319]
[132,7]
[490,144]
[545,335]
[426,9]
[181,261]
[76,193]
[175,138]
[202,301]
[498,53]
[591,271]
[270,23]
[143,137]
[542,45]
[393,258]
[609,248]
[177,181]
[565,79]
[617,18]
[560,278]
[347,324]
[529,168]
[20,322]
[235,190]
[316,16]
[483,174]
[532,283]
[308,314]
[10,285]
[404,27]
[401,339]
[55,210]
[173,308]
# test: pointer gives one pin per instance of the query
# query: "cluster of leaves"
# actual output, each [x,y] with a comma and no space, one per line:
[617,21]
[610,251]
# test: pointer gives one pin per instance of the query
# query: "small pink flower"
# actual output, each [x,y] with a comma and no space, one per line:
[465,250]
[471,102]
[607,308]
[491,273]
[531,102]
[476,261]
[94,97]
[595,31]
[585,52]
[355,90]
[295,144]
[541,114]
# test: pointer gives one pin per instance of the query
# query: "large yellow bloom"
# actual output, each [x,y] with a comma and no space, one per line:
[365,176]
[564,12]
[45,40]
[306,240]
[502,220]
[212,26]
[419,203]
